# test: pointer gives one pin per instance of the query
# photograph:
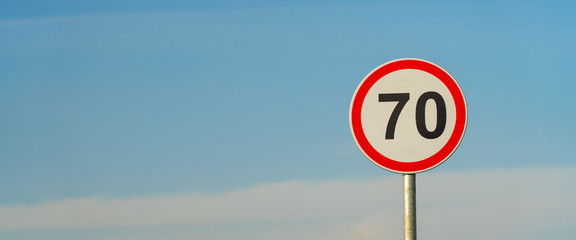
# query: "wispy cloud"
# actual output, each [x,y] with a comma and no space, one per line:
[527,203]
[18,22]
[287,201]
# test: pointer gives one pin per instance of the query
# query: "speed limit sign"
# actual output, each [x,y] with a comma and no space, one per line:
[408,115]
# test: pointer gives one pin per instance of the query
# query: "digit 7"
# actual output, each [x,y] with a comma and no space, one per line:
[402,99]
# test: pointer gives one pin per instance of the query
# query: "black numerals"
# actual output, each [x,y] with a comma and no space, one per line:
[402,99]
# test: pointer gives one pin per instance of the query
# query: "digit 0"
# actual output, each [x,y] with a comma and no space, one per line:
[440,115]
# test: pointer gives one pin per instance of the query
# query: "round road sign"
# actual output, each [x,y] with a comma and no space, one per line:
[408,115]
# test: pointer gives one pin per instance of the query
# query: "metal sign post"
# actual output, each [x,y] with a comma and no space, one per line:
[409,206]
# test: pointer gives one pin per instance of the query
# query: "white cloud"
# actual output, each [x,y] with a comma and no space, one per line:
[74,18]
[529,203]
[287,201]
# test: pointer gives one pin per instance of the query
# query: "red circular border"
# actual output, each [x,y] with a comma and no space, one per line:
[408,167]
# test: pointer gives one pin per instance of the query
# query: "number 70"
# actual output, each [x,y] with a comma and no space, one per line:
[402,99]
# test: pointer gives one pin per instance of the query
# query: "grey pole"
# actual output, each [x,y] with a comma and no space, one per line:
[409,206]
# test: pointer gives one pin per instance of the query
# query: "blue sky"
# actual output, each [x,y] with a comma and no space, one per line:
[146,101]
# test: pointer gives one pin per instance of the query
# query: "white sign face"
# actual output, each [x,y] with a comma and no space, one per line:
[408,115]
